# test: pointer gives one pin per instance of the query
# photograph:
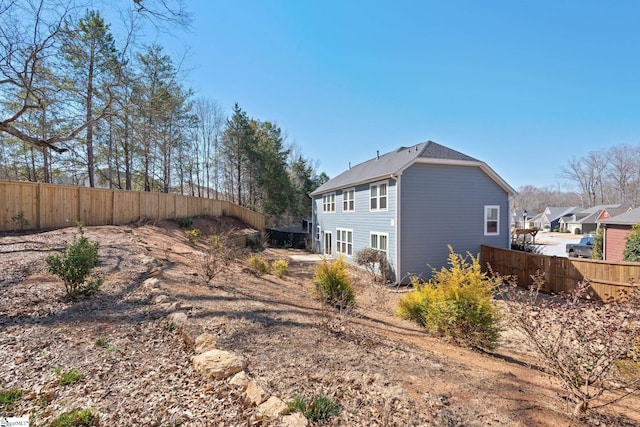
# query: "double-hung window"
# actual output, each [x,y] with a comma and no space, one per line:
[491,220]
[378,196]
[379,241]
[329,202]
[349,200]
[344,242]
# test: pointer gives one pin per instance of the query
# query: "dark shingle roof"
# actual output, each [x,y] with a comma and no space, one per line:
[393,162]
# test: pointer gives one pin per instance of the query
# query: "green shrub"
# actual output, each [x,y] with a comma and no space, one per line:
[457,303]
[19,221]
[258,265]
[8,398]
[75,264]
[76,418]
[70,377]
[280,268]
[632,247]
[253,241]
[102,342]
[333,283]
[184,222]
[320,408]
[193,235]
[598,244]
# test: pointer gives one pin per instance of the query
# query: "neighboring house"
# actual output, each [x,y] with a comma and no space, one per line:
[616,229]
[585,221]
[412,203]
[522,218]
[549,219]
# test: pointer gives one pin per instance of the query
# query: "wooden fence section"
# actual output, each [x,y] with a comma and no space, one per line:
[30,205]
[562,274]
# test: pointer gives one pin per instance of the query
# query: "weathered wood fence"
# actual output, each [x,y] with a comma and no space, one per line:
[562,274]
[30,205]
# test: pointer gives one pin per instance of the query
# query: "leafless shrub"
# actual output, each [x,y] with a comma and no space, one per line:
[375,263]
[591,347]
[220,253]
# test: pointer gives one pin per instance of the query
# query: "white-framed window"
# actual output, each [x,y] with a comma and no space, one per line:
[329,202]
[380,241]
[349,200]
[344,241]
[378,196]
[318,233]
[491,220]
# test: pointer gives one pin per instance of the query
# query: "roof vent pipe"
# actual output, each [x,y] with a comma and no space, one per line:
[378,154]
[349,165]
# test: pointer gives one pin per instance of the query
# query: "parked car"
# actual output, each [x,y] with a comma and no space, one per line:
[582,249]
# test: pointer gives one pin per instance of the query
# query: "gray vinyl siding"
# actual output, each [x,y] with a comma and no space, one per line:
[444,205]
[362,221]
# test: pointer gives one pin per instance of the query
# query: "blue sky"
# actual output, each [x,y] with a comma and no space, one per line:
[522,86]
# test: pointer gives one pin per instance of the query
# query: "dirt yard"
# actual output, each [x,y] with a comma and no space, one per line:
[136,368]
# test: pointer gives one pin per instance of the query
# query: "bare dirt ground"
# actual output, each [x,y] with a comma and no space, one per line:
[382,370]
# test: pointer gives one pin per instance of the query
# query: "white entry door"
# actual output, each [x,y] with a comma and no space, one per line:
[328,243]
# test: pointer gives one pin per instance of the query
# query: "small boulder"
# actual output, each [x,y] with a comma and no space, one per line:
[255,393]
[240,379]
[204,342]
[294,420]
[161,299]
[189,333]
[151,282]
[178,318]
[218,364]
[272,408]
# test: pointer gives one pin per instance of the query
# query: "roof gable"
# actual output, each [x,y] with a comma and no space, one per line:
[394,162]
[631,217]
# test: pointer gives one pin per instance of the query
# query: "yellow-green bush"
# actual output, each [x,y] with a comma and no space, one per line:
[280,268]
[333,283]
[258,265]
[457,302]
[193,235]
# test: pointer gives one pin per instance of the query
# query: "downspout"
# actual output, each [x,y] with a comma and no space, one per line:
[397,225]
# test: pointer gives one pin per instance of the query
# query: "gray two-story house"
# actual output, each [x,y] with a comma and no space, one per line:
[412,203]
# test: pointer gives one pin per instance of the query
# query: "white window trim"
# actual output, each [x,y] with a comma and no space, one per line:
[348,244]
[371,233]
[486,220]
[377,184]
[328,204]
[353,190]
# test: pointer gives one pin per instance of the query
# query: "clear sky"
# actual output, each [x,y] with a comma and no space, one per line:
[524,86]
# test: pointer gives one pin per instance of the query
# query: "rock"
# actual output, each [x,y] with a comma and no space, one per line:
[218,364]
[151,283]
[272,408]
[204,342]
[255,393]
[190,333]
[160,299]
[294,420]
[178,318]
[240,379]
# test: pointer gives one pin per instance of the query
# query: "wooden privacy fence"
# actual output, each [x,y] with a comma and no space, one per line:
[30,205]
[562,274]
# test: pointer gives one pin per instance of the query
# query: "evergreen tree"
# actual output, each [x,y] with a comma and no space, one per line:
[237,139]
[89,49]
[632,247]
